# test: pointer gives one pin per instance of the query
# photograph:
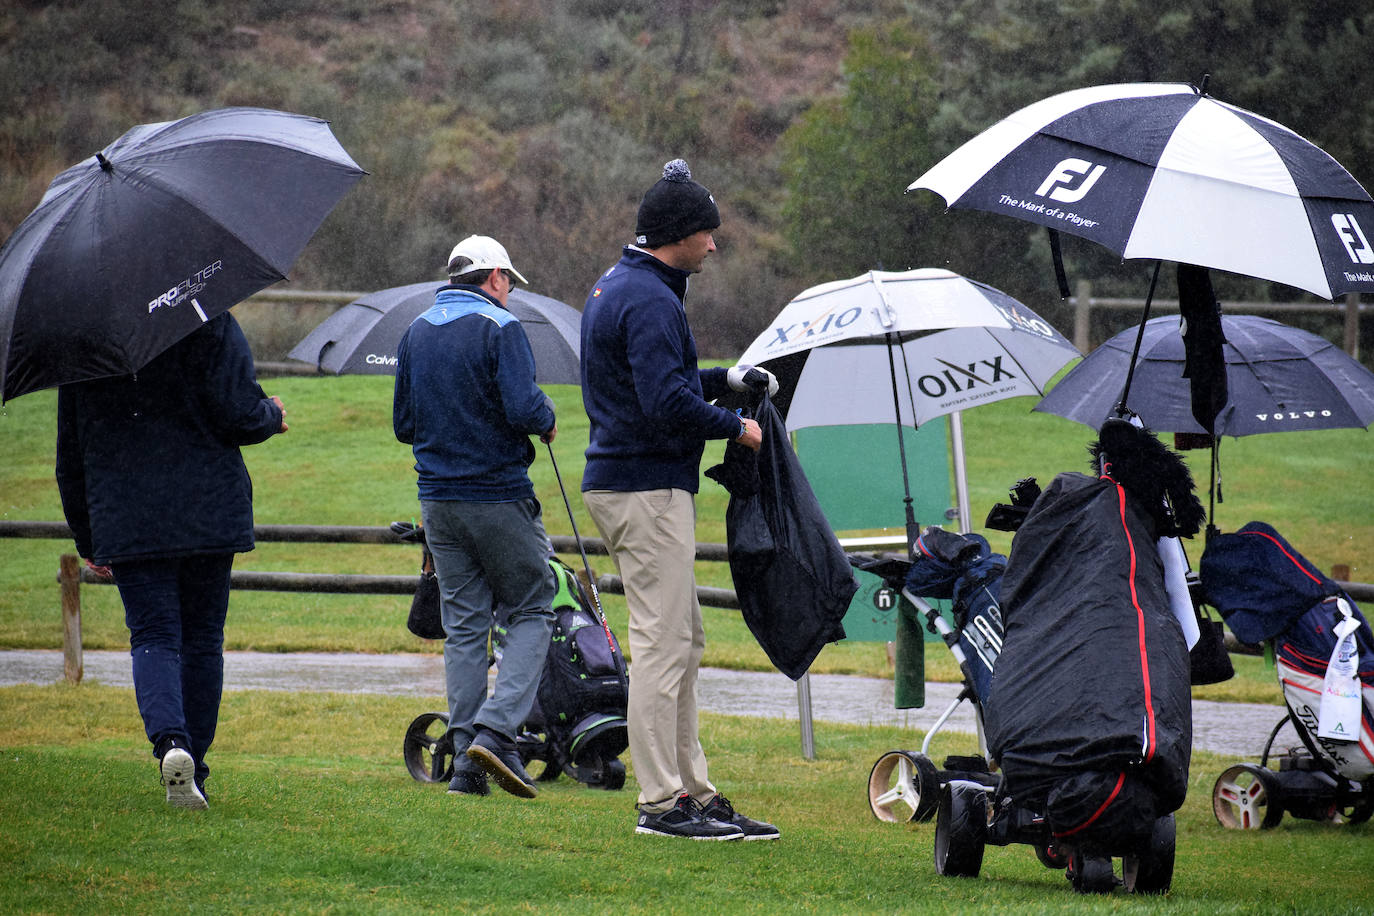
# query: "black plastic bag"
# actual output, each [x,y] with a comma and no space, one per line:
[1209,662]
[792,578]
[424,620]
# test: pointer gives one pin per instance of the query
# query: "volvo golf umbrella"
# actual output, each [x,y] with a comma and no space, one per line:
[1164,171]
[1279,378]
[170,225]
[905,348]
[361,338]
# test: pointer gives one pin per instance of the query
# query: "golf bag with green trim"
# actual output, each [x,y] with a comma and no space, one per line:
[578,723]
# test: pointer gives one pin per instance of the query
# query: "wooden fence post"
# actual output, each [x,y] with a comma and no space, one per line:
[69,579]
[1082,316]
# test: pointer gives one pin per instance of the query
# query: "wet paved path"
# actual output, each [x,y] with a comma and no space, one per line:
[1233,729]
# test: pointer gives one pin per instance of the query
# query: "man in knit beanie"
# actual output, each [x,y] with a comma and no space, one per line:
[650,412]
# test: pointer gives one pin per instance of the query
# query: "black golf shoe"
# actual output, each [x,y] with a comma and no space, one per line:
[720,809]
[499,756]
[686,819]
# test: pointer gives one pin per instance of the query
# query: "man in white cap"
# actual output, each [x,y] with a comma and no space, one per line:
[650,415]
[467,404]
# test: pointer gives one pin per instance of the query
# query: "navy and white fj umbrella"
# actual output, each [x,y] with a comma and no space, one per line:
[1163,171]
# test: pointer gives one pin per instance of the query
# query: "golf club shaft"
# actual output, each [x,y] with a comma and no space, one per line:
[587,567]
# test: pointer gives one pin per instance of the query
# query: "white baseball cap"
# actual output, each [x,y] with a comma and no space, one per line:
[485,253]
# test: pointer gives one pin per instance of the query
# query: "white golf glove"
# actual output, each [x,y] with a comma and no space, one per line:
[751,378]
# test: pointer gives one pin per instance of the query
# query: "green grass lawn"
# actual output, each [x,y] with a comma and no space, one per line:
[340,464]
[311,810]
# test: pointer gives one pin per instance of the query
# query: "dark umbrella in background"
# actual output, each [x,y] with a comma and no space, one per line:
[1166,172]
[361,338]
[167,227]
[1279,378]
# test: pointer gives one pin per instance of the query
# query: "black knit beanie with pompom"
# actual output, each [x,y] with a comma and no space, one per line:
[674,208]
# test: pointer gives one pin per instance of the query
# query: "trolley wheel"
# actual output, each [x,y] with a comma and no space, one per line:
[1356,811]
[1091,874]
[961,827]
[1152,870]
[1051,856]
[903,786]
[427,751]
[612,775]
[1248,797]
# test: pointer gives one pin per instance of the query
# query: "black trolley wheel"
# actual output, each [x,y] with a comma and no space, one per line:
[961,827]
[1152,870]
[427,751]
[1355,809]
[1051,856]
[1091,874]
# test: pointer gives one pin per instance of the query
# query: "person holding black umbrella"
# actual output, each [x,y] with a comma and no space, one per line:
[154,488]
[466,403]
[648,407]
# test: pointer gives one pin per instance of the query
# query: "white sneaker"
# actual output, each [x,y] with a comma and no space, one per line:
[179,776]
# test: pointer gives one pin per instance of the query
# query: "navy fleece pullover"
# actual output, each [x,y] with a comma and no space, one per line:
[645,397]
[466,400]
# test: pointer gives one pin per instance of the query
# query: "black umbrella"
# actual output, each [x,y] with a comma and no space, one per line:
[1279,378]
[361,338]
[1164,171]
[165,228]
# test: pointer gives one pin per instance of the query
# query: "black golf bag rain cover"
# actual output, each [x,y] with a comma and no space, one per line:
[791,575]
[1090,714]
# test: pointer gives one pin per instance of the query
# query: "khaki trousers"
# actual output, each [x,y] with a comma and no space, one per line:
[652,538]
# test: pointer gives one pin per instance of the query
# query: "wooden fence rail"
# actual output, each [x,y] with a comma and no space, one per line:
[1348,309]
[73,573]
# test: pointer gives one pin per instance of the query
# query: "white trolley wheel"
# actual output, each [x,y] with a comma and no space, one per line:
[1248,797]
[903,786]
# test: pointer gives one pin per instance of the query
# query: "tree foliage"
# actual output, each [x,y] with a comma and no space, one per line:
[847,160]
[542,122]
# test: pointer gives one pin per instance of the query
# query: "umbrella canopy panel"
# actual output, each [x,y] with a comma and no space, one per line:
[361,338]
[1162,171]
[937,373]
[167,227]
[944,342]
[1280,378]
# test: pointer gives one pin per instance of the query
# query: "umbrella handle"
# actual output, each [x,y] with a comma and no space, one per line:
[1121,409]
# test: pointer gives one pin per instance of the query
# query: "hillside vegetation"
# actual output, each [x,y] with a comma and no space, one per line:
[542,122]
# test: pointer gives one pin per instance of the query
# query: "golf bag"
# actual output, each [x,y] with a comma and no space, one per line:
[1089,715]
[578,723]
[1090,712]
[1324,652]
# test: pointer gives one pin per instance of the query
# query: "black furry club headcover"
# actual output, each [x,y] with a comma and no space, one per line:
[1151,472]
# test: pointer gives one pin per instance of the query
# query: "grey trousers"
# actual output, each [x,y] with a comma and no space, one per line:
[652,536]
[492,563]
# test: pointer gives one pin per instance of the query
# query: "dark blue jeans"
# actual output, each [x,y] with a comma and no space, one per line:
[175,610]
